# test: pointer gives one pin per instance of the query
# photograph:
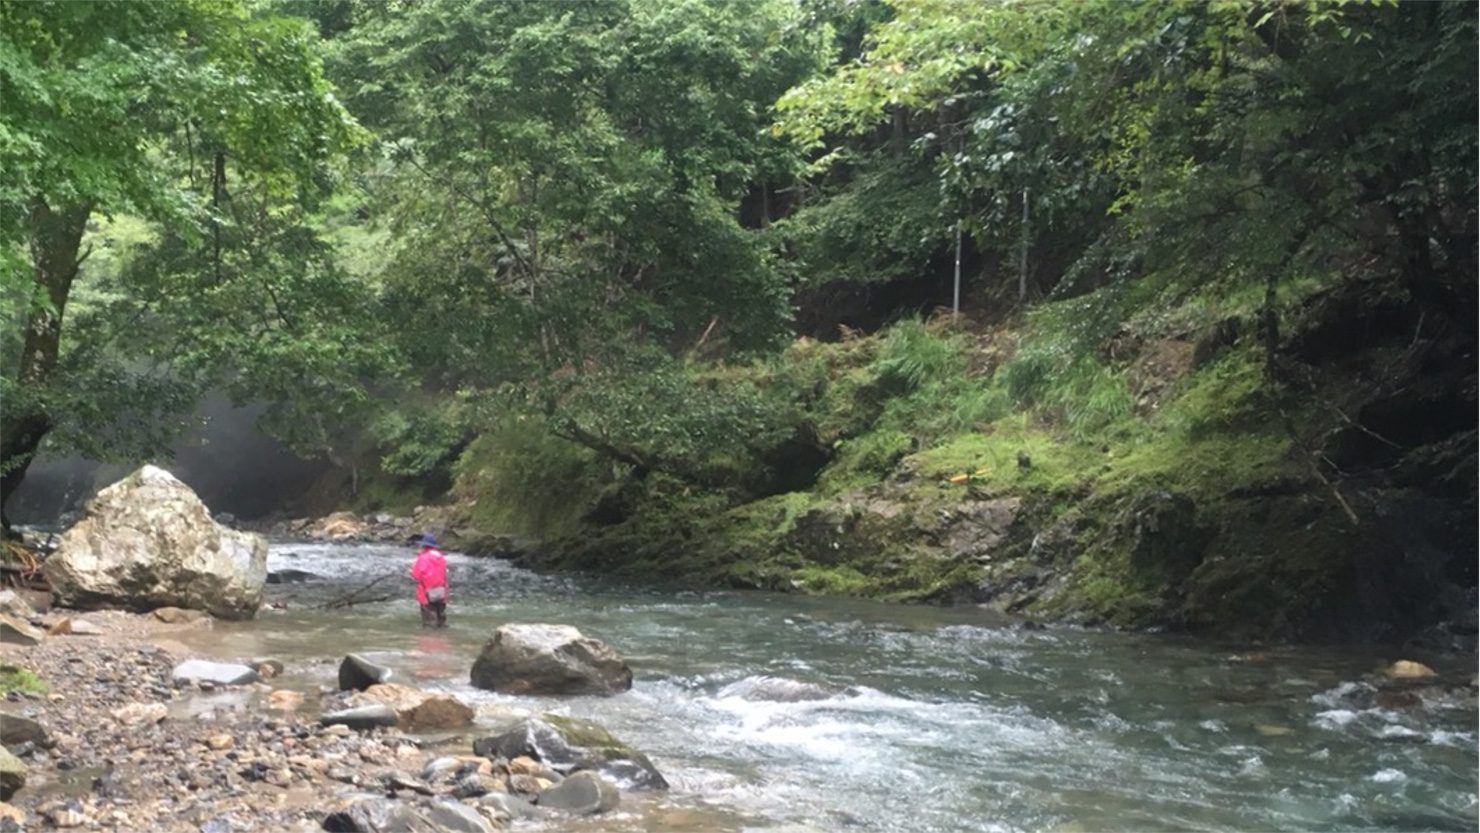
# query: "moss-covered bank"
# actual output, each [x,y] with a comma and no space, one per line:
[1171,475]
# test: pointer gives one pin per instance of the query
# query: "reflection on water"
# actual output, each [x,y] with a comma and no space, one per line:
[434,659]
[784,713]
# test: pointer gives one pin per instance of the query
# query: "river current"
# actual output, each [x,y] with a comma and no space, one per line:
[772,712]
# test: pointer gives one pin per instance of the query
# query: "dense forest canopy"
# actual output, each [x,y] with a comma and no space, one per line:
[404,225]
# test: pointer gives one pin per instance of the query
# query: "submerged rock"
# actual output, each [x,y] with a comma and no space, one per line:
[148,541]
[291,576]
[775,689]
[549,659]
[1405,669]
[216,673]
[362,718]
[357,673]
[583,793]
[568,744]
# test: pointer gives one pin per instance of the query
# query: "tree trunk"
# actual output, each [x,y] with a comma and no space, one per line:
[54,238]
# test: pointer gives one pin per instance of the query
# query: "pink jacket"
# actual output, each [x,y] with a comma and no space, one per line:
[430,570]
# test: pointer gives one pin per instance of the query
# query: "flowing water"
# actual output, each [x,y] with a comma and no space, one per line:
[772,712]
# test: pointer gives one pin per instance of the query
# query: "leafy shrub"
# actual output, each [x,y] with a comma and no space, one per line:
[527,480]
[912,357]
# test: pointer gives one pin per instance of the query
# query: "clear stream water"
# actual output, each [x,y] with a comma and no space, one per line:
[926,719]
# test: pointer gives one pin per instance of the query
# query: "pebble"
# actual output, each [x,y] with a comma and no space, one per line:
[253,763]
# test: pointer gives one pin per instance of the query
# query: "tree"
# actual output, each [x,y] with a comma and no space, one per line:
[565,185]
[211,122]
[1175,143]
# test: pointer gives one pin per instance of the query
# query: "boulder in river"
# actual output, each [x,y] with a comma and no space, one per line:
[549,659]
[776,690]
[148,541]
[568,744]
[12,774]
[217,673]
[15,631]
[583,793]
[357,673]
[418,711]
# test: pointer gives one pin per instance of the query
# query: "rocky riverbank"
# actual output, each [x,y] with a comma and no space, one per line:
[448,522]
[113,725]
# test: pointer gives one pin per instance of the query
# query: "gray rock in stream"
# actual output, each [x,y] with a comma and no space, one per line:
[216,673]
[776,689]
[452,817]
[509,807]
[549,659]
[357,673]
[361,719]
[583,794]
[291,576]
[568,744]
[377,815]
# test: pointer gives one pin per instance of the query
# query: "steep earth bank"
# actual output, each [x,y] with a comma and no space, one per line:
[1331,497]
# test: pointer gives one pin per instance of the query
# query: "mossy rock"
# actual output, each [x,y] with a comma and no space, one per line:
[12,774]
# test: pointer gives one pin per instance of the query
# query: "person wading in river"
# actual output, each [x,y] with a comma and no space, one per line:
[430,573]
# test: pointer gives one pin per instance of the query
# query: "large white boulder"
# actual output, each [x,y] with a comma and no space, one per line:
[147,541]
[549,659]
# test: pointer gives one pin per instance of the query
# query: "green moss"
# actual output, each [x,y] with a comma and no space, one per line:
[840,580]
[16,678]
[990,458]
[865,459]
[1218,432]
[519,477]
[589,736]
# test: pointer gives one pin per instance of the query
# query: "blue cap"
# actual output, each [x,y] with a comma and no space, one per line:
[429,540]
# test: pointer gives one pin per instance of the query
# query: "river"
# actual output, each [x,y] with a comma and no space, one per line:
[925,719]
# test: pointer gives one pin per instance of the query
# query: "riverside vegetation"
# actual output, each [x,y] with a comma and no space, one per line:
[656,287]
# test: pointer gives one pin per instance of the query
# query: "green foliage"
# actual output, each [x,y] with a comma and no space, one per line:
[418,442]
[201,132]
[23,680]
[1058,369]
[656,414]
[592,210]
[912,357]
[521,478]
